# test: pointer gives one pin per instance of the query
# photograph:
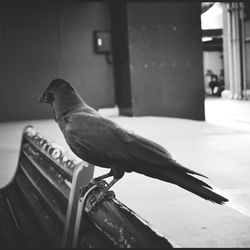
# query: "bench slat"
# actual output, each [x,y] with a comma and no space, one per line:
[67,171]
[30,232]
[120,224]
[57,206]
[51,229]
[48,171]
[9,236]
[92,237]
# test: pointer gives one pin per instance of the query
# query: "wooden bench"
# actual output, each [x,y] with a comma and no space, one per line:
[47,202]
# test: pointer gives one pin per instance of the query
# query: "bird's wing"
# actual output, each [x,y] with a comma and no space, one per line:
[105,137]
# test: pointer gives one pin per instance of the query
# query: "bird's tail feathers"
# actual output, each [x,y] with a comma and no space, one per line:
[179,167]
[186,180]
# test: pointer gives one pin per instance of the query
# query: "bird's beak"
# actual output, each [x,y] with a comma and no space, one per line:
[43,98]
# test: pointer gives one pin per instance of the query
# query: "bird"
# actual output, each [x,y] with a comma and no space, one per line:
[102,142]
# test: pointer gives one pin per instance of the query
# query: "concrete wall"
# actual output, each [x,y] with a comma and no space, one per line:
[42,41]
[166,59]
[29,45]
[89,72]
[158,47]
[121,56]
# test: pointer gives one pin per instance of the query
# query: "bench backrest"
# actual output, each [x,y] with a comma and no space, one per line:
[38,195]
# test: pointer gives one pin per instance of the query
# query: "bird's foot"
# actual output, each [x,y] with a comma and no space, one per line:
[98,199]
[95,199]
[92,181]
[99,184]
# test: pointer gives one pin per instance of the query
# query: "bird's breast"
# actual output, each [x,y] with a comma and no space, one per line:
[85,151]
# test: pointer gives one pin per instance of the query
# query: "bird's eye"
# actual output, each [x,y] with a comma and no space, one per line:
[47,97]
[50,97]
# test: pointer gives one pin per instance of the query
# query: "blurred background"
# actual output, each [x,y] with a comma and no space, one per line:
[159,59]
[175,72]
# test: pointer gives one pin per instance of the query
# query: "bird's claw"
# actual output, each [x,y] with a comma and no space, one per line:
[96,200]
[100,184]
[92,181]
[103,192]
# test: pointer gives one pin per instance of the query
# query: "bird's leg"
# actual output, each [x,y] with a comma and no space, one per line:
[118,174]
[98,179]
[103,176]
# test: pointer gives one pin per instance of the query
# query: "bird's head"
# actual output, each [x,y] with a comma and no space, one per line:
[56,89]
[62,97]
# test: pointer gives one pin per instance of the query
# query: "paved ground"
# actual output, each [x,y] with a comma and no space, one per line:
[218,148]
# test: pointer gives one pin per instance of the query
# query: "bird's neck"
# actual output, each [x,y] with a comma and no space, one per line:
[69,102]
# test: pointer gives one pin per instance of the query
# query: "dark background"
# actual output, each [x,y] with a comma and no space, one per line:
[155,67]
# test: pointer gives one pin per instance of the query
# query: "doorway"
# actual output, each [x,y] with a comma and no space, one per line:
[224,49]
[212,40]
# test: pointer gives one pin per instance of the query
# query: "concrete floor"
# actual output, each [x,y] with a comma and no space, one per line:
[218,148]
